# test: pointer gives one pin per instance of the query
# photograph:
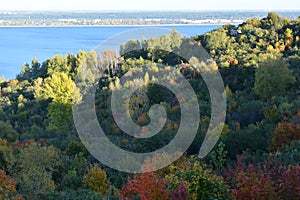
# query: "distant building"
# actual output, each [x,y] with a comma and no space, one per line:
[235,32]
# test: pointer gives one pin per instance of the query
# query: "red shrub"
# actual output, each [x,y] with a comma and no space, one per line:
[289,183]
[181,193]
[147,186]
[272,181]
[249,182]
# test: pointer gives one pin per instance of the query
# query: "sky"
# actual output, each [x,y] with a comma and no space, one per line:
[101,5]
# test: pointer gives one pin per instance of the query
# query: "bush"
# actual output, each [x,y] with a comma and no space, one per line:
[253,138]
[289,154]
[272,78]
[249,113]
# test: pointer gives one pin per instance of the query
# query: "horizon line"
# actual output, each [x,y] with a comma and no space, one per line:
[163,10]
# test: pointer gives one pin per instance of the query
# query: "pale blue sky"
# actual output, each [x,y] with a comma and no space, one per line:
[149,5]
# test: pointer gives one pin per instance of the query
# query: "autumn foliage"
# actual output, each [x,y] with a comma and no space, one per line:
[284,134]
[7,185]
[249,182]
[271,180]
[143,118]
[146,186]
[181,193]
[95,179]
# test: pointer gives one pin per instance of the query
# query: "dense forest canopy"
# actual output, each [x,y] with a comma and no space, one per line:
[257,156]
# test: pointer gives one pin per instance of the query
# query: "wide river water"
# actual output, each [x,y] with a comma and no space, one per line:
[19,45]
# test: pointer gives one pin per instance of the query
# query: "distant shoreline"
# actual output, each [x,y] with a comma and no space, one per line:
[158,10]
[138,25]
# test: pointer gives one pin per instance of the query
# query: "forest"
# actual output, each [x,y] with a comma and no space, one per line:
[256,157]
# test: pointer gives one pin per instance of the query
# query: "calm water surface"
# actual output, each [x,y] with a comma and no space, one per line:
[19,45]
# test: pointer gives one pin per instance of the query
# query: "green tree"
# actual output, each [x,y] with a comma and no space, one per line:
[30,72]
[64,93]
[129,49]
[75,167]
[176,40]
[255,22]
[7,132]
[165,42]
[57,64]
[216,39]
[272,78]
[217,158]
[80,194]
[7,158]
[61,88]
[37,88]
[274,21]
[36,164]
[274,18]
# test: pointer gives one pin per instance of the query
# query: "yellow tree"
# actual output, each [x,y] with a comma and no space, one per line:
[64,93]
[95,179]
